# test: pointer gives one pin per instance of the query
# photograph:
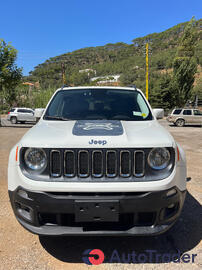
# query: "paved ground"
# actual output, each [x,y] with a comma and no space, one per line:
[21,250]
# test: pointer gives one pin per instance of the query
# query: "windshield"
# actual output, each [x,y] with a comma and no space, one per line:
[96,104]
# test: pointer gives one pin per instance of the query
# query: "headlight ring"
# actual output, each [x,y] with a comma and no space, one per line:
[35,159]
[159,158]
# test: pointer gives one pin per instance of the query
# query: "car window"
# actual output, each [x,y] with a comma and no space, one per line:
[187,112]
[28,111]
[197,112]
[12,110]
[110,104]
[177,111]
[24,111]
[21,111]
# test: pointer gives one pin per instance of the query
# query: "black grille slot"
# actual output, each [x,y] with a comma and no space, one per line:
[125,163]
[69,163]
[111,164]
[139,163]
[97,163]
[56,163]
[83,162]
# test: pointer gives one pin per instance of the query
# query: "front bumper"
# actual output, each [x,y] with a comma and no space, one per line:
[170,119]
[133,213]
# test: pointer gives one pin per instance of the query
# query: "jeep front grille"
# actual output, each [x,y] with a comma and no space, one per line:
[97,163]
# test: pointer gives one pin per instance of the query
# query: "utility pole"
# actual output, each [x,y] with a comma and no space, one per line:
[147,71]
[63,74]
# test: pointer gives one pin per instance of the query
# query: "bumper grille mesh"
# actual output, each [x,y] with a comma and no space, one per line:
[83,163]
[69,162]
[55,163]
[125,166]
[97,163]
[111,164]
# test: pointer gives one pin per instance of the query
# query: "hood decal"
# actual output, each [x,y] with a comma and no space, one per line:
[97,128]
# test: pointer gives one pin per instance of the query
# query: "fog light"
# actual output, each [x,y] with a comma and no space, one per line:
[24,211]
[23,193]
[171,192]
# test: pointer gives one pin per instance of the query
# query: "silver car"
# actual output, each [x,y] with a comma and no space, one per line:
[180,117]
[21,115]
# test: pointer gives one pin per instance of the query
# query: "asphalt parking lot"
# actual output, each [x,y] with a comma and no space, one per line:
[20,249]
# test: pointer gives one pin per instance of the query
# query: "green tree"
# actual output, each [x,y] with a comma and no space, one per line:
[197,90]
[161,96]
[185,65]
[79,79]
[128,77]
[10,74]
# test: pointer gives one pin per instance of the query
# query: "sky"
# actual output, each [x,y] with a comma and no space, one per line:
[43,29]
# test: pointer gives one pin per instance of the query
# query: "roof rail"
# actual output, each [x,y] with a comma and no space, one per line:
[133,86]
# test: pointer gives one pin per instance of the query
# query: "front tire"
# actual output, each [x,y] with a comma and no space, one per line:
[180,123]
[13,120]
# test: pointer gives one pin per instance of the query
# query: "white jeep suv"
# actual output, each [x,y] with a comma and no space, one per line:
[97,162]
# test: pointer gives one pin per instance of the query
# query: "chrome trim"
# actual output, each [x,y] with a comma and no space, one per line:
[51,173]
[93,174]
[80,174]
[114,174]
[143,165]
[72,174]
[128,174]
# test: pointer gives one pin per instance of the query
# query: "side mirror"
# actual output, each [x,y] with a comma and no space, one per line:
[38,113]
[158,113]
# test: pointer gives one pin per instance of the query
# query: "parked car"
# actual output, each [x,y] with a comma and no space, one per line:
[97,163]
[21,115]
[37,113]
[181,117]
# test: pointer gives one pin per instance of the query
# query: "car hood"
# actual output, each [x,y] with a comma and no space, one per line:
[97,134]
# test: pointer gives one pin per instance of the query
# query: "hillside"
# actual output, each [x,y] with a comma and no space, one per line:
[128,60]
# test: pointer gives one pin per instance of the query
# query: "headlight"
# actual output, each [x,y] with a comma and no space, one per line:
[35,159]
[159,158]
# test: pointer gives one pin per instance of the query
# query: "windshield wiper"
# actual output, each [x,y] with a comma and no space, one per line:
[59,118]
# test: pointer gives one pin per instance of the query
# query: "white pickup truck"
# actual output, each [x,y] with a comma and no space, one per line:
[97,163]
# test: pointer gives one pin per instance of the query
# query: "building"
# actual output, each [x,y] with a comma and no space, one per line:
[106,79]
[88,70]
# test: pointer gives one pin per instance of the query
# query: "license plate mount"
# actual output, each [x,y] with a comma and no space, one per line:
[97,211]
